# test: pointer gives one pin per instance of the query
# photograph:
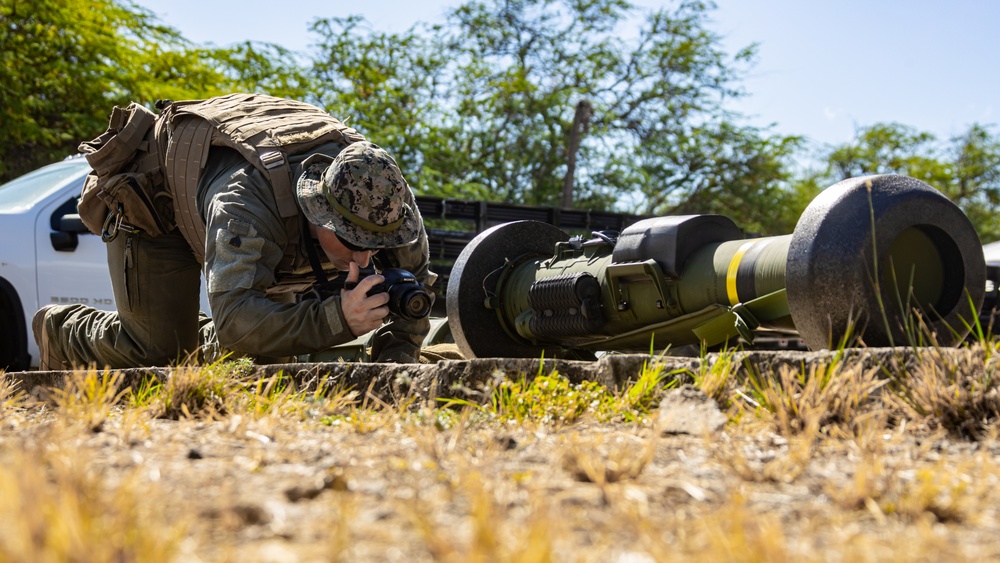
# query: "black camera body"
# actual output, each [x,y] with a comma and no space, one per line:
[408,298]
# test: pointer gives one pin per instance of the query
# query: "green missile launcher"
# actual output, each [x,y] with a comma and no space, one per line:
[868,258]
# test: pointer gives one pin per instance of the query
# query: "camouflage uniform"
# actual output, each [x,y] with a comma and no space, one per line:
[254,293]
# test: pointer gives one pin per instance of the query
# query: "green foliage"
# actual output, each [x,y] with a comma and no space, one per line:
[548,399]
[390,87]
[64,64]
[716,378]
[739,172]
[975,183]
[198,391]
[887,148]
[257,67]
[486,107]
[521,69]
[640,397]
[658,138]
[588,103]
[966,168]
[56,61]
[554,399]
[791,201]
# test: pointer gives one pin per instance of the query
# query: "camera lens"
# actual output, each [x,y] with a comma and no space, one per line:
[411,303]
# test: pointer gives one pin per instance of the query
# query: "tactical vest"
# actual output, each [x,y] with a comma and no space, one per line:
[264,129]
[141,159]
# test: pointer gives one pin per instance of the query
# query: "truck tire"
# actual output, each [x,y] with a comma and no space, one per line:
[13,334]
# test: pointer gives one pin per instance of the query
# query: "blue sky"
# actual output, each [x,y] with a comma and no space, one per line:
[825,67]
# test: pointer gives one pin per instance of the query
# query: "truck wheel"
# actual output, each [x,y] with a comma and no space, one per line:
[13,334]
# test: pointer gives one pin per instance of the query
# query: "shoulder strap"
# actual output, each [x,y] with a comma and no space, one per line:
[187,150]
[267,130]
[264,129]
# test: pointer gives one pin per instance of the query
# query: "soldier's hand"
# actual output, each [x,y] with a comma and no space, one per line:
[363,313]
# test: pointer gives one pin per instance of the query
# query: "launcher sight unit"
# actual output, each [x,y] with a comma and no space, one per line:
[867,257]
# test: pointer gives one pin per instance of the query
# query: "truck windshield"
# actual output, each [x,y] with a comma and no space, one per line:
[25,191]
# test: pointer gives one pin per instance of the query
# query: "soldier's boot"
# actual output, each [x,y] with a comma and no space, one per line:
[49,358]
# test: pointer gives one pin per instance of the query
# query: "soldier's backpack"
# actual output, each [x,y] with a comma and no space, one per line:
[265,130]
[126,188]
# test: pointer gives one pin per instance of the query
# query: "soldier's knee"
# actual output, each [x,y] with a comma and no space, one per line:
[166,350]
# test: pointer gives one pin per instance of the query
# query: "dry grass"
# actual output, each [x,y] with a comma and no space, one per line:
[835,461]
[955,393]
[55,507]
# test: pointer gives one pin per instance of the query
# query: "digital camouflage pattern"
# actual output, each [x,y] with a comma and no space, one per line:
[359,194]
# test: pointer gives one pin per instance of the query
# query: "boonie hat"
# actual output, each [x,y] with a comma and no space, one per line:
[359,194]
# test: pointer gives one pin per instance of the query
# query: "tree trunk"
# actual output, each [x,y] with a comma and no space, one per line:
[580,123]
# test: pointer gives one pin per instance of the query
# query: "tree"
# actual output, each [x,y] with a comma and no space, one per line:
[253,66]
[50,77]
[524,65]
[557,102]
[974,158]
[966,168]
[735,171]
[65,63]
[889,148]
[392,88]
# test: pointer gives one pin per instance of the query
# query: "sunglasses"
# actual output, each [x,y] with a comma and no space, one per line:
[352,247]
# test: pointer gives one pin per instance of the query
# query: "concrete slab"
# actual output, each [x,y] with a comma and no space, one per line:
[468,378]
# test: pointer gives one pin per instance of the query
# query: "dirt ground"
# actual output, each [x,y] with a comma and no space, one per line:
[239,491]
[426,483]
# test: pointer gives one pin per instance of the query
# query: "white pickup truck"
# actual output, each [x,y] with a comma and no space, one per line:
[47,256]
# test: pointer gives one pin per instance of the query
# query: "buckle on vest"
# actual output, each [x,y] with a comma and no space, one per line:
[272,159]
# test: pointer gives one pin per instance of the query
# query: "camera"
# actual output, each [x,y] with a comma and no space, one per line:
[408,298]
